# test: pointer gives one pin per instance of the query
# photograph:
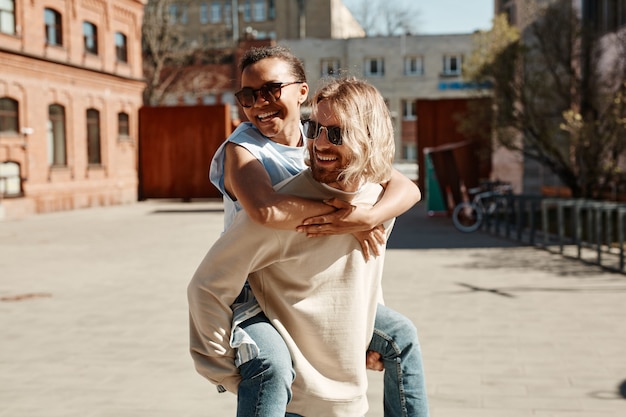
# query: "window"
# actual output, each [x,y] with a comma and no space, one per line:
[10,179]
[121,51]
[173,12]
[452,65]
[259,11]
[408,110]
[93,137]
[53,26]
[216,12]
[409,152]
[330,67]
[90,38]
[177,14]
[123,128]
[204,13]
[9,122]
[374,67]
[7,16]
[228,17]
[183,15]
[271,10]
[56,135]
[413,65]
[247,12]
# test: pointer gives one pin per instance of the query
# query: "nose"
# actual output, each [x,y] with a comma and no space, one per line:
[259,97]
[325,143]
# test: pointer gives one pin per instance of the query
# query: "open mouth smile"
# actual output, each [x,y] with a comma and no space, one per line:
[266,116]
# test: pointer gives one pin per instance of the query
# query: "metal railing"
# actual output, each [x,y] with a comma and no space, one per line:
[587,230]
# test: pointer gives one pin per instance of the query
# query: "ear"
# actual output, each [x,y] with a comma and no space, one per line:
[304,93]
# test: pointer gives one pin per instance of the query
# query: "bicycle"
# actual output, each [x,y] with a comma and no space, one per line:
[488,199]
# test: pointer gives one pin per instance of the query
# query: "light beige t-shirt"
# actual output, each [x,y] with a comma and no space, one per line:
[319,293]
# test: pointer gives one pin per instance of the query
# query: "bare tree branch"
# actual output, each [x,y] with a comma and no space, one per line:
[386,18]
[559,92]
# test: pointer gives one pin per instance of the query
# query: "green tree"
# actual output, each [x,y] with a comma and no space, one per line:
[558,95]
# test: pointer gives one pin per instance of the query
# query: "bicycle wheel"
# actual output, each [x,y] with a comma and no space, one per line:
[466,217]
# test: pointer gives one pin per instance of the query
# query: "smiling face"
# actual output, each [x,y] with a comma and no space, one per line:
[327,161]
[279,120]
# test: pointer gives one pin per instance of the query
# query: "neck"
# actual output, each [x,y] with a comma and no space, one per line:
[348,187]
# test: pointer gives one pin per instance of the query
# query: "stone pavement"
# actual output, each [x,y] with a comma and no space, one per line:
[93,315]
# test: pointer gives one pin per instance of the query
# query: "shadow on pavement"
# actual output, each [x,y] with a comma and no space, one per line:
[415,229]
[512,292]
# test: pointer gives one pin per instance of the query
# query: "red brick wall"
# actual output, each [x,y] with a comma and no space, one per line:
[37,75]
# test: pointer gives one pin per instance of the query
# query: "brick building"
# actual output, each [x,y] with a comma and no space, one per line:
[70,89]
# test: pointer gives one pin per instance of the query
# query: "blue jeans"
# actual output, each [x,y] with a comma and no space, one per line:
[395,338]
[265,388]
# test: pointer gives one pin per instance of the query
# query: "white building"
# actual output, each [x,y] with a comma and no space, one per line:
[403,68]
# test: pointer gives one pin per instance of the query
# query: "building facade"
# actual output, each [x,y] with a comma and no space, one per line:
[404,68]
[222,23]
[70,89]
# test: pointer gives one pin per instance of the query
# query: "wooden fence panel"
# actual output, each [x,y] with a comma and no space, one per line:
[176,145]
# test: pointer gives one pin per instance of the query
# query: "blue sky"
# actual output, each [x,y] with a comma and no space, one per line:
[443,16]
[454,16]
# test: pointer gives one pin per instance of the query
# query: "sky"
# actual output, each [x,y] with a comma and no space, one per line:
[447,16]
[454,16]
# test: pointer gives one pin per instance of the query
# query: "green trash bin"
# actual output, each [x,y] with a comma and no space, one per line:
[434,200]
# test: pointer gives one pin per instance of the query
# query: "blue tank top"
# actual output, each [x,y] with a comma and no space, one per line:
[280,162]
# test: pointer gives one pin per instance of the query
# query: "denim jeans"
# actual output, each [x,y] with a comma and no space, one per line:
[395,338]
[265,388]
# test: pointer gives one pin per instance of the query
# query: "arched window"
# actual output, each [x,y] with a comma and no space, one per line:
[93,137]
[56,135]
[9,121]
[90,38]
[122,124]
[54,27]
[121,48]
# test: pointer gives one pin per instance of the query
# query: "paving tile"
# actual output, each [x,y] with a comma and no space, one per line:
[94,318]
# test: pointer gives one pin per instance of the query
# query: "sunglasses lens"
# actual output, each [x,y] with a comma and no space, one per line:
[271,92]
[334,135]
[311,129]
[245,96]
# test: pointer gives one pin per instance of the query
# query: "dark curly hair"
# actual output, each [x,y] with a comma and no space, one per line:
[256,54]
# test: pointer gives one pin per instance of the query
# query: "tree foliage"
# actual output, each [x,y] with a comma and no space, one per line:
[559,95]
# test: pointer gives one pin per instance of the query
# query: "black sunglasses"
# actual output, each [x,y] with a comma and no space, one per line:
[271,92]
[312,130]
